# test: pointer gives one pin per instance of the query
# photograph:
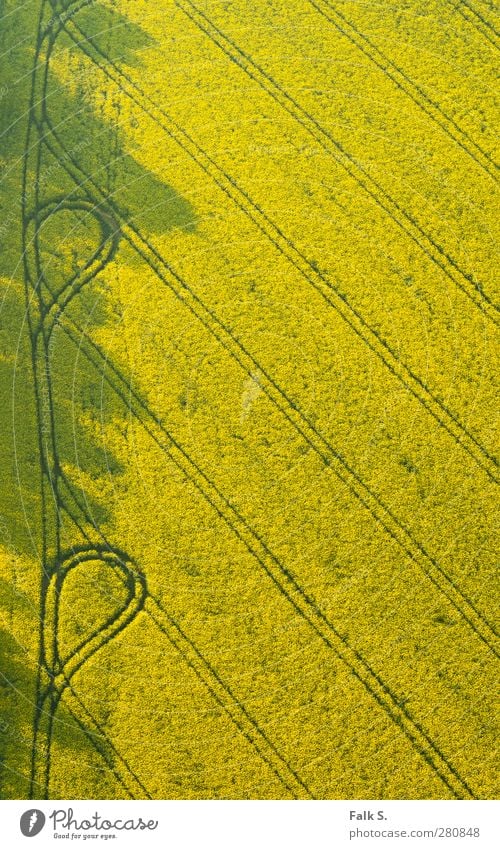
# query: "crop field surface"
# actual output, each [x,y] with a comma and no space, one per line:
[248,395]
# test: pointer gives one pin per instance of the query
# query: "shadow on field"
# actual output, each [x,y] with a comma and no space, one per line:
[83,197]
[17,684]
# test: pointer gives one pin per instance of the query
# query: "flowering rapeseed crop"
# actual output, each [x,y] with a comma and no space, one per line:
[247,347]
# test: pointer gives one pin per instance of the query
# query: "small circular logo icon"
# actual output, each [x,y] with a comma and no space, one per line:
[32,822]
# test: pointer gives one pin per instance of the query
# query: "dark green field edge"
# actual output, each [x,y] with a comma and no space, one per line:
[59,672]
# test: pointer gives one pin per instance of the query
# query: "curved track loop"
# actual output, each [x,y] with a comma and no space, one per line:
[212,680]
[59,667]
[57,300]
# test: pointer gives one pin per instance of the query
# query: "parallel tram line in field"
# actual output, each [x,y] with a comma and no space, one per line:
[280,575]
[331,458]
[405,84]
[369,335]
[67,667]
[463,280]
[478,21]
[225,698]
[201,666]
[55,673]
[105,748]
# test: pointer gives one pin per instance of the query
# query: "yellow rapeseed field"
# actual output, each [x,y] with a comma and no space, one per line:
[247,349]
